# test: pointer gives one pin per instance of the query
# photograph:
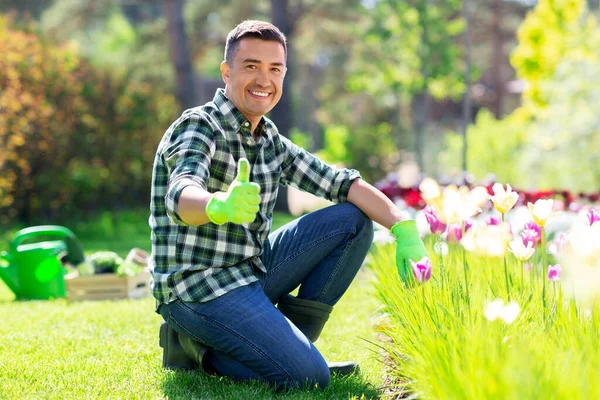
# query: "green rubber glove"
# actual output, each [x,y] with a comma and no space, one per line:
[240,203]
[409,246]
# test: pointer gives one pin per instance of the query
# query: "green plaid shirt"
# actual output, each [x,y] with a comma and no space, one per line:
[202,148]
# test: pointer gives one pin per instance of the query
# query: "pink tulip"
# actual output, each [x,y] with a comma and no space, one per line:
[493,220]
[435,225]
[593,216]
[560,241]
[554,272]
[532,225]
[421,269]
[529,236]
[455,231]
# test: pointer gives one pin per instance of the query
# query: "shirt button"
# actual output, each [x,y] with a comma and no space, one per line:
[246,124]
[249,141]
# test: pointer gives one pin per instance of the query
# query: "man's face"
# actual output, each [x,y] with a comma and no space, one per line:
[254,80]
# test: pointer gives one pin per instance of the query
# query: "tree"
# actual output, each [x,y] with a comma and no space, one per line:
[411,54]
[180,54]
[563,94]
[544,39]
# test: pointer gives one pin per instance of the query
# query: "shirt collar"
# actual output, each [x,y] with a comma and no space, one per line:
[233,116]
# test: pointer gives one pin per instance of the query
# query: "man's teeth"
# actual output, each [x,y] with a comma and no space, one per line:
[261,94]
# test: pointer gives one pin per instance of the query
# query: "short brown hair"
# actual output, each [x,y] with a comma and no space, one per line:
[253,29]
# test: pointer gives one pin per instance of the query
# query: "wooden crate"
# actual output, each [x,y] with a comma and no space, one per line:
[107,286]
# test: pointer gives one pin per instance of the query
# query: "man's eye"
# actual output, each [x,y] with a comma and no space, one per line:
[250,66]
[277,70]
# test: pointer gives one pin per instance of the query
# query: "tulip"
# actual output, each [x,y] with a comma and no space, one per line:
[435,225]
[493,220]
[529,237]
[497,310]
[431,192]
[421,269]
[554,272]
[593,216]
[459,203]
[455,230]
[503,200]
[521,252]
[510,312]
[541,211]
[430,189]
[561,241]
[581,257]
[535,227]
[488,240]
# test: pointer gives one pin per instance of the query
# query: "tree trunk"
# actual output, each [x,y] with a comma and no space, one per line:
[466,103]
[498,59]
[281,115]
[420,101]
[420,111]
[180,53]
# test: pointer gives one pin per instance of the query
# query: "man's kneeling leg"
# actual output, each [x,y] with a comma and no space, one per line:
[310,317]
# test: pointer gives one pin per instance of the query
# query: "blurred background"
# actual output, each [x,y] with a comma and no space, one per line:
[400,89]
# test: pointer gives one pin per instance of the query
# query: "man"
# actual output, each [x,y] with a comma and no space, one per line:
[217,272]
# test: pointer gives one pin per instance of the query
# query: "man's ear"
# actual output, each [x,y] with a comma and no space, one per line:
[225,71]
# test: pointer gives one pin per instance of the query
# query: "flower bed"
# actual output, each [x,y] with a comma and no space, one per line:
[511,308]
[412,197]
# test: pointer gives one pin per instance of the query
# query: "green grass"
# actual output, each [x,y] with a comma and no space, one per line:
[445,348]
[109,349]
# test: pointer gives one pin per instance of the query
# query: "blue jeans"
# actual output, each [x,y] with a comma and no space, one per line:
[249,338]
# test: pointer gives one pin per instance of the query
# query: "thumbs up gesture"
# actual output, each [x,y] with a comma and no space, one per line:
[240,203]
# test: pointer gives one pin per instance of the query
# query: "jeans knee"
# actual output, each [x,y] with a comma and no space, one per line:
[363,224]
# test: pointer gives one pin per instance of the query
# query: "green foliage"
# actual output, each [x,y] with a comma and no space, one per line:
[335,149]
[545,37]
[443,347]
[366,149]
[494,146]
[544,143]
[71,136]
[302,139]
[110,41]
[410,48]
[105,261]
[566,133]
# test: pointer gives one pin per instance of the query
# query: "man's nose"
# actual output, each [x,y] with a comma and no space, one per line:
[262,79]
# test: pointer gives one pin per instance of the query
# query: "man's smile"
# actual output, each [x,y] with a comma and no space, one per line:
[259,93]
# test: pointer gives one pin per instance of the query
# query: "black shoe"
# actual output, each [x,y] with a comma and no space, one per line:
[344,368]
[174,354]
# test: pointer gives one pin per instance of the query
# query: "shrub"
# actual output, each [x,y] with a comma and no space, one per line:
[72,137]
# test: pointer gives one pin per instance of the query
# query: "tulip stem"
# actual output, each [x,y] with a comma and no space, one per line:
[544,273]
[521,266]
[506,270]
[464,257]
[438,249]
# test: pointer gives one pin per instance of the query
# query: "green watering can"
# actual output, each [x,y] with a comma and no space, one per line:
[32,267]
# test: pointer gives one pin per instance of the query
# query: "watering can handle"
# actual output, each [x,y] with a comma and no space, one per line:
[75,252]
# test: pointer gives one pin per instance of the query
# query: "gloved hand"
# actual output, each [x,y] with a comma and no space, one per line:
[240,203]
[409,246]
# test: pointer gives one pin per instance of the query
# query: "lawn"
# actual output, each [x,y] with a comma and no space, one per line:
[109,349]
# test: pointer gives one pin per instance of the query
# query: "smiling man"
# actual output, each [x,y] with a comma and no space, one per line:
[253,72]
[217,270]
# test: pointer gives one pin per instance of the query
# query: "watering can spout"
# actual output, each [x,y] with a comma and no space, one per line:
[9,273]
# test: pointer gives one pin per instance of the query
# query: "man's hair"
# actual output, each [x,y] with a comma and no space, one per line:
[252,29]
